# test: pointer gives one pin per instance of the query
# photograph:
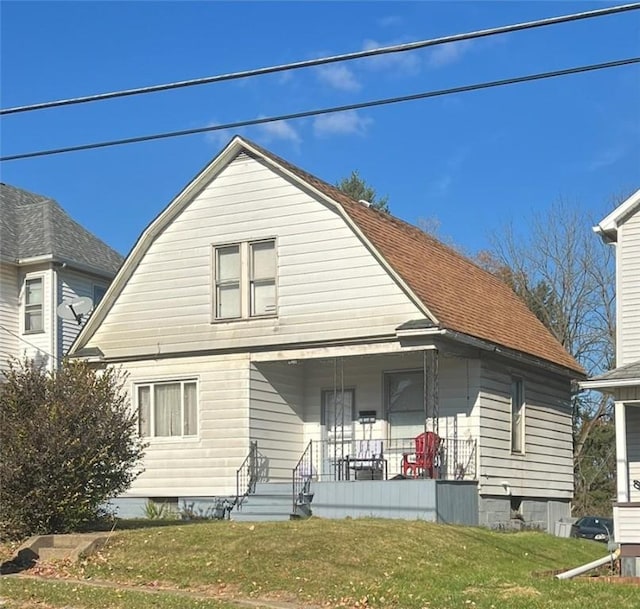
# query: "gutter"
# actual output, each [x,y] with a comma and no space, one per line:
[65,263]
[511,353]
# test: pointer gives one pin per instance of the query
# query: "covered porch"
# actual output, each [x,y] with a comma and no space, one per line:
[348,414]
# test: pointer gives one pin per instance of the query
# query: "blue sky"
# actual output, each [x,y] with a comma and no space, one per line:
[473,161]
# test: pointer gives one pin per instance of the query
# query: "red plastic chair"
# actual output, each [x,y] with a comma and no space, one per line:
[427,446]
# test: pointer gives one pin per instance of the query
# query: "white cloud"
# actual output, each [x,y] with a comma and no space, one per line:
[341,123]
[217,138]
[339,77]
[407,61]
[449,53]
[390,21]
[280,130]
[607,157]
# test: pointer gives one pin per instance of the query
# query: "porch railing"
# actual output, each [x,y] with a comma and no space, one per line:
[456,458]
[247,475]
[303,472]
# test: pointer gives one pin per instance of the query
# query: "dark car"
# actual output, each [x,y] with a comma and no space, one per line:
[593,527]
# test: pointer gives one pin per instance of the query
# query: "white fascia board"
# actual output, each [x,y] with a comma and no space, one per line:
[612,384]
[420,332]
[345,216]
[35,259]
[608,228]
[147,237]
[335,351]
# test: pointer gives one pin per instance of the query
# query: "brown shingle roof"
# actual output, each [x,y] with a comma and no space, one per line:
[462,296]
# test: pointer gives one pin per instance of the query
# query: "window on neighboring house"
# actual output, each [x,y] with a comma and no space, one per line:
[168,409]
[245,280]
[98,294]
[517,415]
[33,309]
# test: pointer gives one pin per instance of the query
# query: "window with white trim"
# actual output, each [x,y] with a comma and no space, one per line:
[517,415]
[168,409]
[33,305]
[245,280]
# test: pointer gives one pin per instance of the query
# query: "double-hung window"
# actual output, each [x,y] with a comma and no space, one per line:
[517,415]
[33,307]
[245,279]
[168,409]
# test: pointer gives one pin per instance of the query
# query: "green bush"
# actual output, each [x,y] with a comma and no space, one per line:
[68,442]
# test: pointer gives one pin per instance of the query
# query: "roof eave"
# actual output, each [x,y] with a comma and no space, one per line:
[520,356]
[610,384]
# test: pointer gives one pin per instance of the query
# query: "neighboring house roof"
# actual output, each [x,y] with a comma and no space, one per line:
[608,228]
[454,292]
[625,375]
[32,226]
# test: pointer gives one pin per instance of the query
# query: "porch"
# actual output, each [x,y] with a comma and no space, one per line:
[357,417]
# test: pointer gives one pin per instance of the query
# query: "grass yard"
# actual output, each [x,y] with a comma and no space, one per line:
[344,563]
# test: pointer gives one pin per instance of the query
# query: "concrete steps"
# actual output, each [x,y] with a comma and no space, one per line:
[271,502]
[60,547]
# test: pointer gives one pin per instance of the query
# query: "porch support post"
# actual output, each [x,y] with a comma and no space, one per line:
[431,392]
[622,470]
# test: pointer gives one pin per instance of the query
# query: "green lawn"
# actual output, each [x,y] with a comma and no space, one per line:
[345,563]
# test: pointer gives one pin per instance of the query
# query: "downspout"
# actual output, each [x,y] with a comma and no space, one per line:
[600,562]
[54,317]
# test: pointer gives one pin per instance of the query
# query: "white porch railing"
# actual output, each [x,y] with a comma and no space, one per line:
[456,459]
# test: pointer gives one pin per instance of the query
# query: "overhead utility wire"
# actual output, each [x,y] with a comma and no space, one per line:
[400,48]
[308,113]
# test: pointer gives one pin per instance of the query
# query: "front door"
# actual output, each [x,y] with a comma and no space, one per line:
[404,407]
[337,430]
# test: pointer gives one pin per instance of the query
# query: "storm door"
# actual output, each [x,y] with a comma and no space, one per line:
[404,405]
[338,411]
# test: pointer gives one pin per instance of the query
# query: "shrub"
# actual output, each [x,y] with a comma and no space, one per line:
[68,442]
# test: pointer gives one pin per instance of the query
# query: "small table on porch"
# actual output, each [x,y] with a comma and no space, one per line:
[365,468]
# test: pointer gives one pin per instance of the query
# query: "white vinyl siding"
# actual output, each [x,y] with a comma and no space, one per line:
[39,345]
[73,285]
[168,409]
[633,449]
[9,317]
[205,464]
[275,417]
[329,285]
[545,469]
[628,286]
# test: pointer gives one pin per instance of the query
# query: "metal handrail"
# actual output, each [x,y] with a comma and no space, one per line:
[247,475]
[302,474]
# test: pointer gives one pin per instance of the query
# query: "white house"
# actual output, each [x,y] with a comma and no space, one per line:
[263,307]
[621,228]
[45,258]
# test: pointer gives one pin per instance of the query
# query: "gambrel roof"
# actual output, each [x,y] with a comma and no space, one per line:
[33,226]
[455,294]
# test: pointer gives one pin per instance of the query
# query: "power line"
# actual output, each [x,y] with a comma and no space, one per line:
[400,48]
[332,110]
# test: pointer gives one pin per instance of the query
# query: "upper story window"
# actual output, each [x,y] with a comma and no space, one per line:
[517,415]
[98,294]
[33,307]
[168,409]
[245,280]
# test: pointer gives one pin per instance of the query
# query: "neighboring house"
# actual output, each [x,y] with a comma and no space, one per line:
[622,229]
[45,258]
[265,306]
